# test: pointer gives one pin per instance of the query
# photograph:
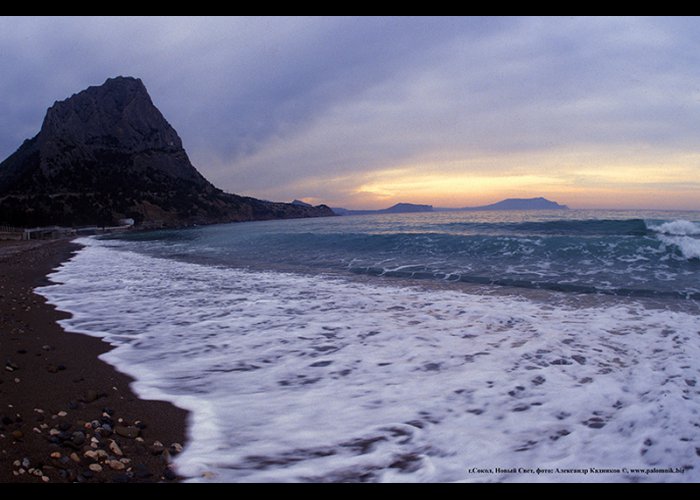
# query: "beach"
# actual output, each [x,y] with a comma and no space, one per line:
[65,415]
[403,348]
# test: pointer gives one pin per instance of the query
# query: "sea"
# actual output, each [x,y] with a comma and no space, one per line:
[430,347]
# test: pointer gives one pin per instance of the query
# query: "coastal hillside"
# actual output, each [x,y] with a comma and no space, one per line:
[107,153]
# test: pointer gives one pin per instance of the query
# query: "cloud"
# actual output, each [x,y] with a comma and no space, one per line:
[275,106]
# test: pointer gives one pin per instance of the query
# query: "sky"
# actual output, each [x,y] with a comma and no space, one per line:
[371,111]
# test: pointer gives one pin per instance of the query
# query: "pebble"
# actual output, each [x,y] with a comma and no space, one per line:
[90,454]
[95,467]
[102,432]
[114,447]
[62,413]
[17,435]
[56,455]
[157,448]
[45,479]
[141,471]
[90,396]
[130,431]
[74,456]
[78,438]
[115,465]
[175,448]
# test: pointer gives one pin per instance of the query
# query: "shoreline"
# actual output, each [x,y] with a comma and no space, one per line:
[65,415]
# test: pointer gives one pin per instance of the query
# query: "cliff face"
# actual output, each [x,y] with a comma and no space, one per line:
[108,153]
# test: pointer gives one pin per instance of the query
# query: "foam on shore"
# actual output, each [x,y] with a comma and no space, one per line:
[310,378]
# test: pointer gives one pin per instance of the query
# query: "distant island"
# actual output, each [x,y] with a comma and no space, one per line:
[399,208]
[108,154]
[538,203]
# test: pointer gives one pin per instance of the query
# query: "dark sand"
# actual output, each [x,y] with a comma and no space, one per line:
[58,401]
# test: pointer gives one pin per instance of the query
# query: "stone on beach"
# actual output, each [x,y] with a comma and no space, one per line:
[46,422]
[115,465]
[114,447]
[129,431]
[90,396]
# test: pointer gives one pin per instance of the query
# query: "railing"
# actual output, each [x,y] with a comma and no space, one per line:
[10,229]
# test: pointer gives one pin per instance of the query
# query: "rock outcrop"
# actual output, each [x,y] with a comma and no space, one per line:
[108,153]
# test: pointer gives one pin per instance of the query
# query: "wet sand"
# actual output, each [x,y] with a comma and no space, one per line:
[65,415]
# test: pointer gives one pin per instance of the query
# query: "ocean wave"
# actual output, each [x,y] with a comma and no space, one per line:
[689,247]
[681,234]
[580,227]
[677,228]
[624,256]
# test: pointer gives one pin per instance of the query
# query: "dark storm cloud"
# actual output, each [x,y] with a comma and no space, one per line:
[263,104]
[229,83]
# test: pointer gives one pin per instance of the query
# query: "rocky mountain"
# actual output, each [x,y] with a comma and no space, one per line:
[108,153]
[399,208]
[538,203]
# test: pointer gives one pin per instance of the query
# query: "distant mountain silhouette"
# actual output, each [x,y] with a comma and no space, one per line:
[517,204]
[508,204]
[108,153]
[399,208]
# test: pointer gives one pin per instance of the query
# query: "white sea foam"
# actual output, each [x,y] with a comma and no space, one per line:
[680,233]
[689,246]
[677,227]
[297,378]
